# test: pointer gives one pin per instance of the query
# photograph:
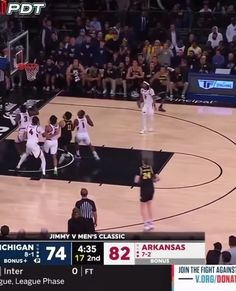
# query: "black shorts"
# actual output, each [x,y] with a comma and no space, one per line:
[146,194]
[64,141]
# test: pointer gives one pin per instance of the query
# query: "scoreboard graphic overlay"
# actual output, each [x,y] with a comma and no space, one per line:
[101,261]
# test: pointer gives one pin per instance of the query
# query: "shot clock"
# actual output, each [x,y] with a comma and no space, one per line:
[87,253]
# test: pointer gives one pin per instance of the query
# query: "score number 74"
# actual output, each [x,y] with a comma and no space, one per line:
[119,254]
[56,253]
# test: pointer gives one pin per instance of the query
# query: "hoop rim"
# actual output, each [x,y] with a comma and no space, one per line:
[31,65]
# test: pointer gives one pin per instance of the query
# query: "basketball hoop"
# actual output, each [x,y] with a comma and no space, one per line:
[21,66]
[31,70]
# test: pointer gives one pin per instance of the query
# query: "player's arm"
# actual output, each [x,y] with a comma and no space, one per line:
[62,124]
[89,120]
[153,98]
[156,178]
[15,120]
[140,100]
[47,131]
[75,123]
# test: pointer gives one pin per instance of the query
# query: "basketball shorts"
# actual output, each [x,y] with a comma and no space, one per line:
[64,141]
[51,146]
[20,136]
[33,149]
[83,138]
[146,194]
[147,110]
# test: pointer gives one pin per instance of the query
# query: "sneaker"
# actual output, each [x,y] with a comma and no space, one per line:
[96,157]
[112,93]
[146,227]
[55,172]
[104,92]
[171,97]
[62,159]
[142,131]
[161,109]
[183,97]
[53,88]
[48,89]
[151,225]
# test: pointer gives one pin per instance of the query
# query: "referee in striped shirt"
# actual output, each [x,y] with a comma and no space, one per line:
[88,211]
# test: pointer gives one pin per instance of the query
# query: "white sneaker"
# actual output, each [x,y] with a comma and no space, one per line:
[53,88]
[96,157]
[146,227]
[104,92]
[183,96]
[62,159]
[48,89]
[151,225]
[142,131]
[112,93]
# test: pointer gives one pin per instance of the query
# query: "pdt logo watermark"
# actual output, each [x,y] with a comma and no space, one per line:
[23,9]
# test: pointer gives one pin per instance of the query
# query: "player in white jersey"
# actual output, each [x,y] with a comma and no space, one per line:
[23,119]
[148,105]
[81,126]
[53,132]
[33,131]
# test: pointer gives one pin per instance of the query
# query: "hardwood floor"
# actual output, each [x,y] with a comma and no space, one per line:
[201,171]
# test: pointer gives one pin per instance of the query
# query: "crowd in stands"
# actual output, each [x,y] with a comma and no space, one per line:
[102,56]
[217,256]
[114,59]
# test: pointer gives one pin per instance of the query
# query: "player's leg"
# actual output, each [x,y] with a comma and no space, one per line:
[53,151]
[87,141]
[150,118]
[150,214]
[143,210]
[64,145]
[77,144]
[24,156]
[185,88]
[20,143]
[43,162]
[144,120]
[163,98]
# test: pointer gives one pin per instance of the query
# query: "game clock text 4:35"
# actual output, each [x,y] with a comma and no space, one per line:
[87,253]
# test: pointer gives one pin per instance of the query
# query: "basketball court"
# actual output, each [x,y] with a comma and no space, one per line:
[192,147]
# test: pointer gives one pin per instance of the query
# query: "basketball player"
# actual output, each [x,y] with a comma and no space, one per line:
[82,136]
[75,75]
[161,84]
[52,132]
[23,119]
[32,147]
[67,127]
[146,179]
[148,105]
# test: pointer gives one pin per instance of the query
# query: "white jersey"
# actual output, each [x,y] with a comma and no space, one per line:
[82,127]
[148,97]
[24,121]
[33,132]
[55,128]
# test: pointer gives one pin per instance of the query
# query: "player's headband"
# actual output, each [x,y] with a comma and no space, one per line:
[146,83]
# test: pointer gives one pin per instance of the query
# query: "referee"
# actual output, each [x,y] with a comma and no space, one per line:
[88,211]
[146,179]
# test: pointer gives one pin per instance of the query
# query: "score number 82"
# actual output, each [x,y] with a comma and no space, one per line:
[119,254]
